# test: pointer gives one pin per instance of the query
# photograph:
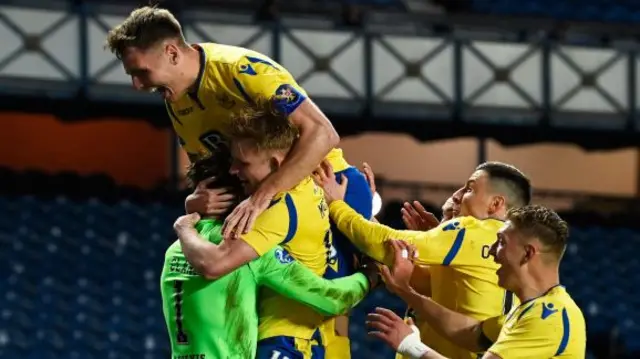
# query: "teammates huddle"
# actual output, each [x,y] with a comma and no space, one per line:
[280,242]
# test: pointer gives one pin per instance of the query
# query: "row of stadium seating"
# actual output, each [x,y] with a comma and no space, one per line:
[626,11]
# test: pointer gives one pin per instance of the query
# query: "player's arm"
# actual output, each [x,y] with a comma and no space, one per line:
[459,329]
[210,260]
[368,236]
[258,78]
[421,280]
[214,261]
[439,246]
[280,272]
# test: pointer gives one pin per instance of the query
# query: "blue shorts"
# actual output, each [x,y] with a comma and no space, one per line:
[290,348]
[360,198]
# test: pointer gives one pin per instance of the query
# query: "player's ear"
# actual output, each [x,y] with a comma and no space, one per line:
[529,252]
[171,50]
[274,163]
[497,203]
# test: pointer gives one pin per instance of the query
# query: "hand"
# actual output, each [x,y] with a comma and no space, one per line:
[371,178]
[325,178]
[243,217]
[369,268]
[389,327]
[187,221]
[210,202]
[416,218]
[448,210]
[398,278]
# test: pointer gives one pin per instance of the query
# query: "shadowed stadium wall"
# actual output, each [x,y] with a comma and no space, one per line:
[136,153]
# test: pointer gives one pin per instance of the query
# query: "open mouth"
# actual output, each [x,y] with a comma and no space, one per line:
[165,92]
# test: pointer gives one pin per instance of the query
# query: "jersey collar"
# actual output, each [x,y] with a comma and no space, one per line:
[193,92]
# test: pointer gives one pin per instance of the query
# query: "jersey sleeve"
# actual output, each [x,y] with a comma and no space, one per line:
[439,246]
[260,77]
[276,225]
[535,334]
[280,272]
[491,330]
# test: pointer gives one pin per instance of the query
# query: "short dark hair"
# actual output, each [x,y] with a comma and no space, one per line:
[515,184]
[215,165]
[535,221]
[263,124]
[144,28]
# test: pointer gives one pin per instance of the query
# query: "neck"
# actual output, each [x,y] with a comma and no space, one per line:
[536,284]
[499,215]
[191,69]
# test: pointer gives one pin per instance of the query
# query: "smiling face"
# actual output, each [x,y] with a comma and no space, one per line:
[510,251]
[156,69]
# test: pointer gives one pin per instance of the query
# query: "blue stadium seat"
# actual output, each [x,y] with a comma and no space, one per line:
[587,10]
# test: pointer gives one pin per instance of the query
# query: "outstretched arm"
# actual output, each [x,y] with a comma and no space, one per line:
[280,272]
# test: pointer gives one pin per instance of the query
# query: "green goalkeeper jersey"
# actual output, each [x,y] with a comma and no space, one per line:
[218,319]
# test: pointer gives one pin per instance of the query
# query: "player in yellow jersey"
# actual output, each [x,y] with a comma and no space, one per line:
[204,85]
[296,219]
[462,274]
[547,323]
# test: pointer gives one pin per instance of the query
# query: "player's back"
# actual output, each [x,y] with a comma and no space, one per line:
[308,241]
[216,319]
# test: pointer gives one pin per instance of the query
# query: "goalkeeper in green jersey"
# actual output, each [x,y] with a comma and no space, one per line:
[218,319]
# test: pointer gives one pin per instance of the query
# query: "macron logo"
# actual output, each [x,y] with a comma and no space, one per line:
[547,310]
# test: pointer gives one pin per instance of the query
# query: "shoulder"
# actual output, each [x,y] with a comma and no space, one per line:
[484,229]
[281,213]
[223,54]
[547,314]
[173,249]
[237,58]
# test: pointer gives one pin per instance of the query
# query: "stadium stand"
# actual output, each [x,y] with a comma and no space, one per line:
[626,11]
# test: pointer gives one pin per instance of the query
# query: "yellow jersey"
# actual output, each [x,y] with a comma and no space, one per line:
[550,326]
[230,78]
[462,273]
[298,220]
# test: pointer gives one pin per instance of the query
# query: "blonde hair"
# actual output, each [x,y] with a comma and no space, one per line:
[539,222]
[264,125]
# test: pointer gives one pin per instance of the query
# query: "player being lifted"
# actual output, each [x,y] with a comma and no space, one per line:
[204,85]
[548,323]
[218,319]
[462,274]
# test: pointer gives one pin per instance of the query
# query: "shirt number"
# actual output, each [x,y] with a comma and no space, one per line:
[181,336]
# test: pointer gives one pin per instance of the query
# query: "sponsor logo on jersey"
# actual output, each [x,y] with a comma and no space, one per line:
[184,111]
[283,256]
[225,101]
[547,310]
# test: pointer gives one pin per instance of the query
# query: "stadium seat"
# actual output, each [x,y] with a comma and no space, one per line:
[587,10]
